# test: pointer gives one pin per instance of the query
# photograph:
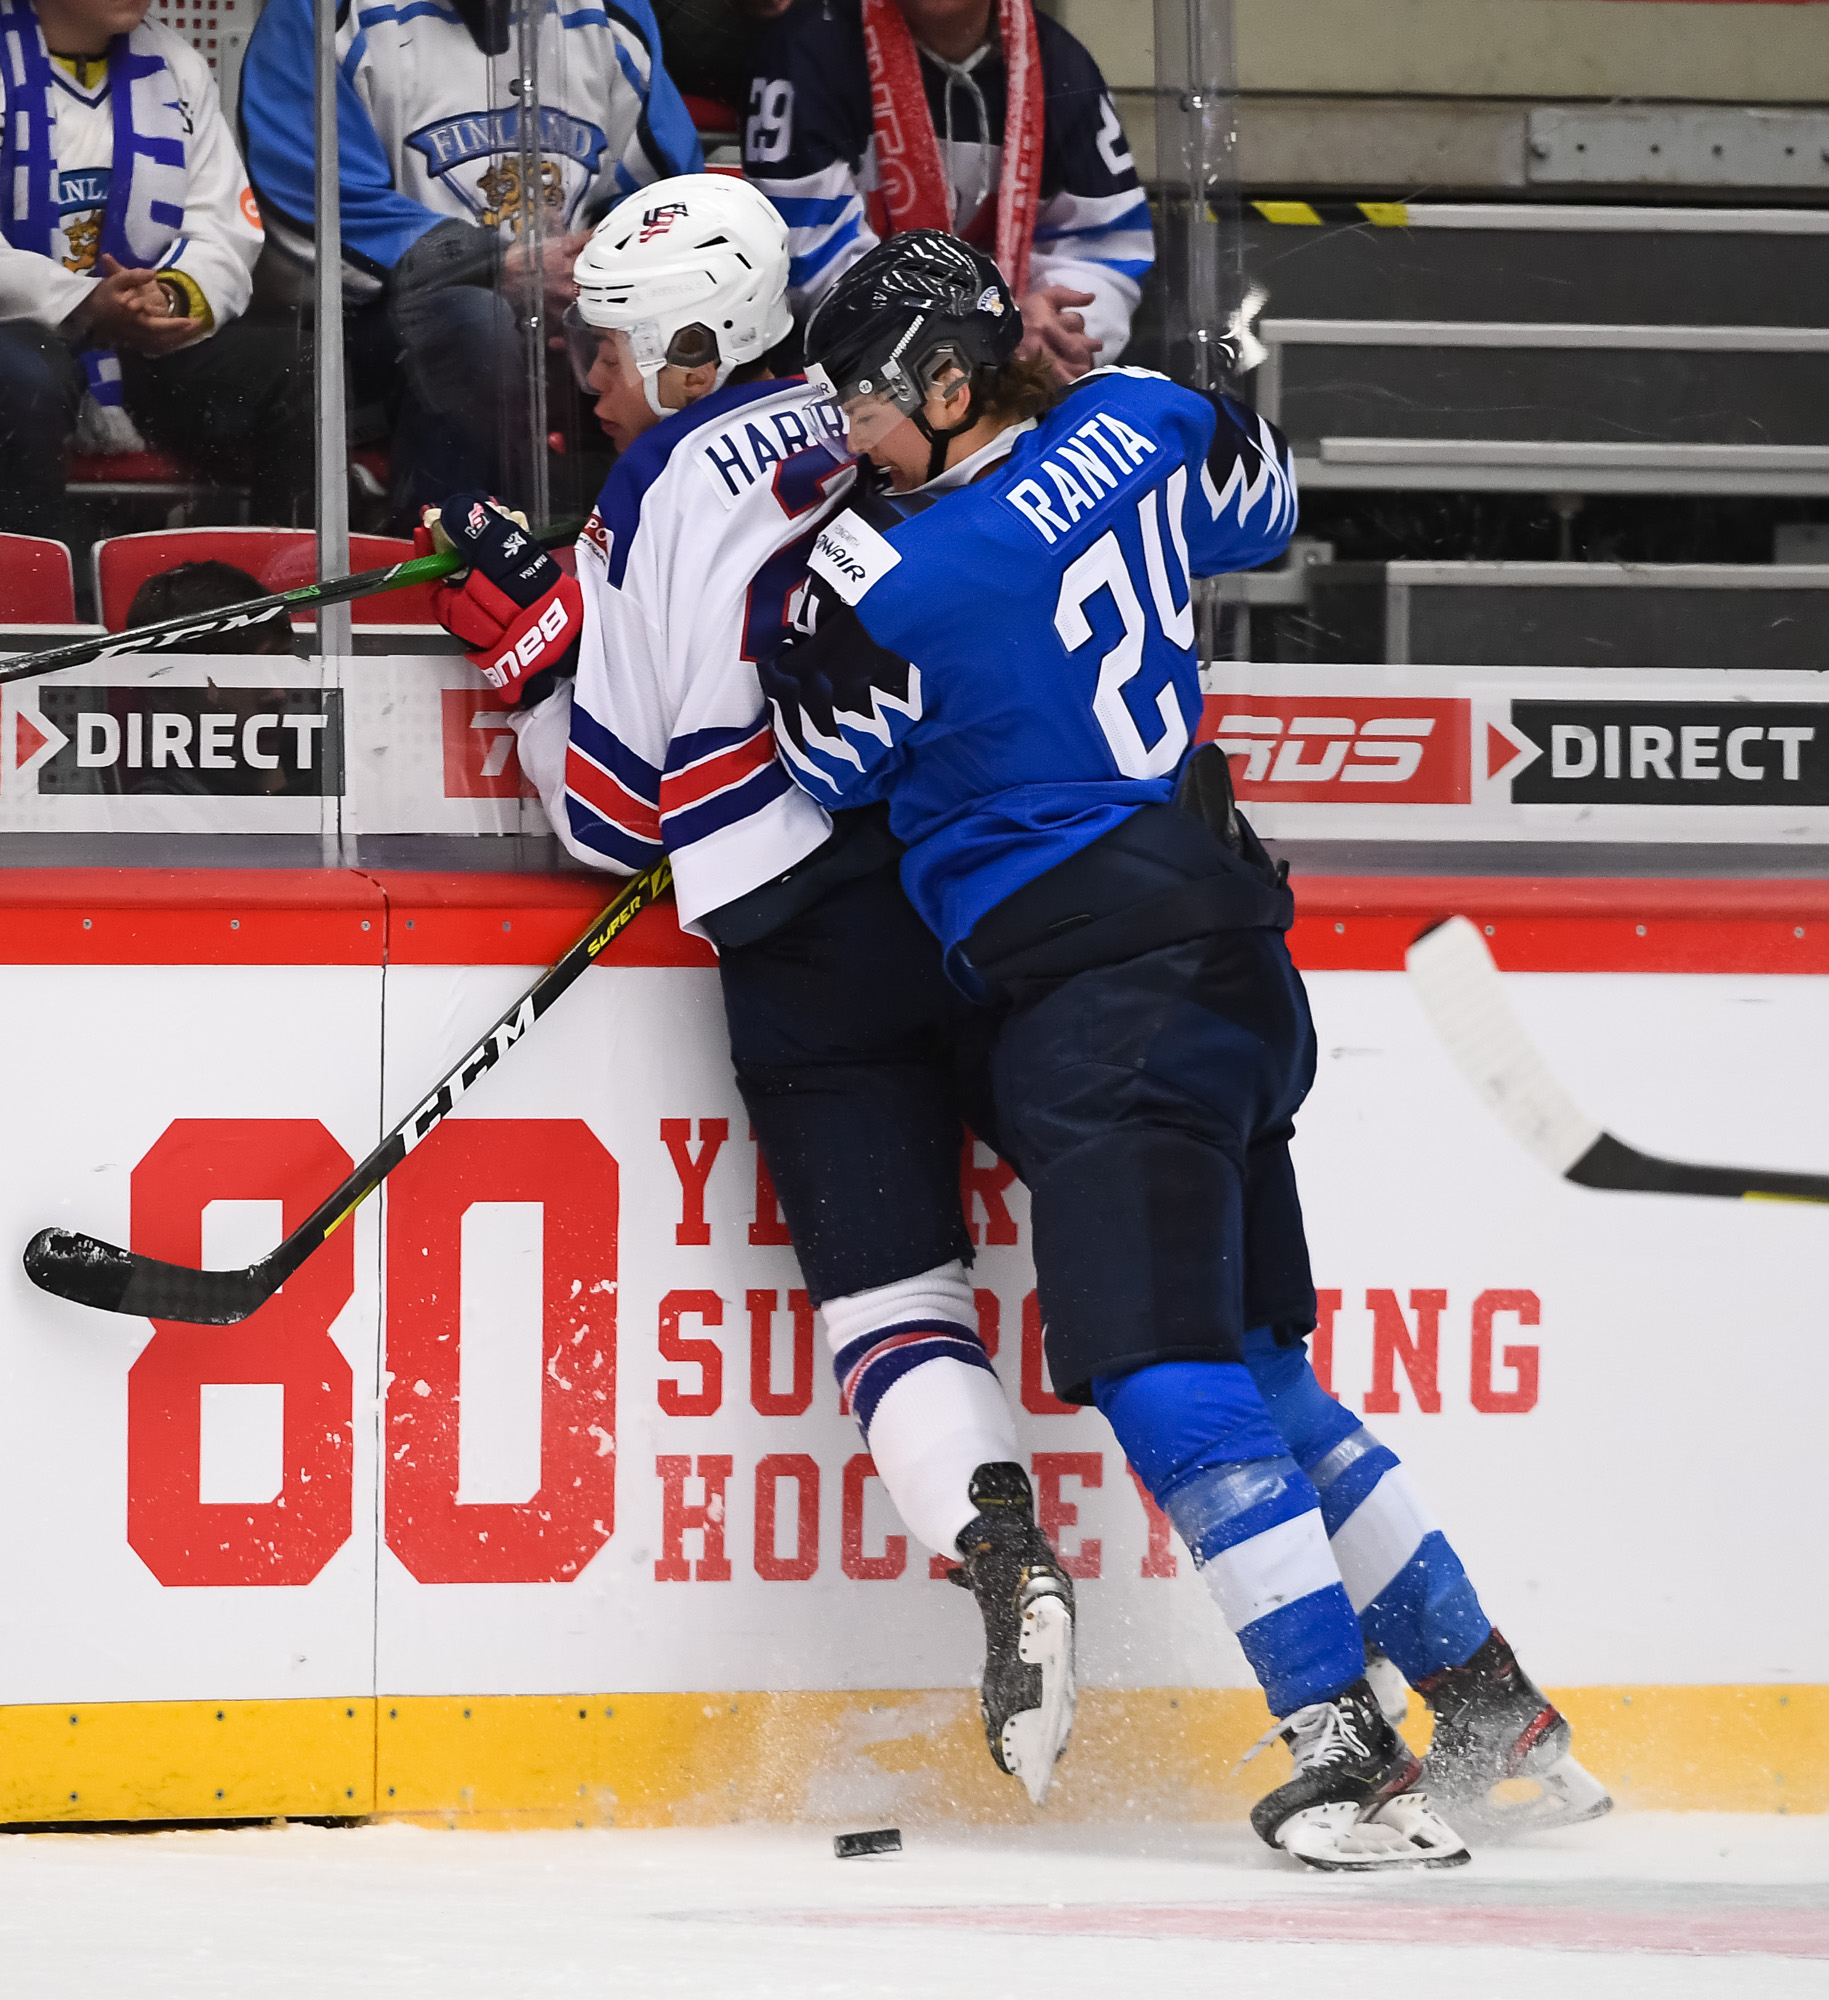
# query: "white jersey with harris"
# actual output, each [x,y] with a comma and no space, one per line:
[1012,664]
[663,741]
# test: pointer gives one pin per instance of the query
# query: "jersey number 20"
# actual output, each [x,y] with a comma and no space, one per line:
[1103,567]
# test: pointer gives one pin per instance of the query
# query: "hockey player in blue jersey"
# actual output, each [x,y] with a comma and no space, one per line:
[1006,656]
[632,690]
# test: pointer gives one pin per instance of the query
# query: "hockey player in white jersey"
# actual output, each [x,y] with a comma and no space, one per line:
[633,692]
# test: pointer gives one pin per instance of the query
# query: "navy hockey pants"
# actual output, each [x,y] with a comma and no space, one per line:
[1148,1106]
[859,1064]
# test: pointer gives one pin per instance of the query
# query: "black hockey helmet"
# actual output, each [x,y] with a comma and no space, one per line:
[915,304]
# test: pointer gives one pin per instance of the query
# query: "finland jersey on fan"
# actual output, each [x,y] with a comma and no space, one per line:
[663,742]
[1038,625]
[429,127]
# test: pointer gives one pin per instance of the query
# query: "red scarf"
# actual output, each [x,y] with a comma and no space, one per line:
[914,184]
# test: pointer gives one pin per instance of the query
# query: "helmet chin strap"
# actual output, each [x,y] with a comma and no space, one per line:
[937,441]
[651,387]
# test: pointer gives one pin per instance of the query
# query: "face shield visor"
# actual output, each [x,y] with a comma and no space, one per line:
[643,346]
[872,399]
[870,404]
[641,340]
[583,343]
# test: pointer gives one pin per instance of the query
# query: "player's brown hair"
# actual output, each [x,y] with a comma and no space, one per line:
[1024,386]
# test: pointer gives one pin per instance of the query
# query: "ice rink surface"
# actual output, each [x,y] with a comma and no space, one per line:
[1664,1906]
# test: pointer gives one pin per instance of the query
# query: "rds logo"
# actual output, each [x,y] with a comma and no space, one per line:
[1343,750]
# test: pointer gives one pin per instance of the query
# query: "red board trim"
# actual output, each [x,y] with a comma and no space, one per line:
[195,916]
[1365,923]
[1344,923]
[285,916]
[520,920]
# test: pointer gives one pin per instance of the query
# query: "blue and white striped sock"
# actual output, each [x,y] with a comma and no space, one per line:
[1406,1582]
[1257,1534]
[1203,1443]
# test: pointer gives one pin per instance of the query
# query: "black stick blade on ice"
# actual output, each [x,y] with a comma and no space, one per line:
[89,1272]
[1463,993]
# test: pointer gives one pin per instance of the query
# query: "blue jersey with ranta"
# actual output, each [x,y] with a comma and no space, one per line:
[1012,664]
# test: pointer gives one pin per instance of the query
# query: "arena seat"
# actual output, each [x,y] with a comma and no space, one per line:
[136,475]
[710,119]
[720,130]
[282,558]
[37,581]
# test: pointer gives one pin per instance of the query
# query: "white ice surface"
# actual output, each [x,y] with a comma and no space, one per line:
[1660,1906]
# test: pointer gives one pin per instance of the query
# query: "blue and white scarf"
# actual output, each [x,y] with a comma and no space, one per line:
[150,176]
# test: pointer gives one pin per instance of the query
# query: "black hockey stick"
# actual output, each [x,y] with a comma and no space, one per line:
[92,1273]
[1464,996]
[172,632]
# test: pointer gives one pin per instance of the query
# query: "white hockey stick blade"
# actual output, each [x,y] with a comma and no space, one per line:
[1463,994]
[1034,1738]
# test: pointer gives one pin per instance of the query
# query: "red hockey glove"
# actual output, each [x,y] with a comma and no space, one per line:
[514,608]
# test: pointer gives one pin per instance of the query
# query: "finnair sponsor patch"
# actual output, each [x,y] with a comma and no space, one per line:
[851,556]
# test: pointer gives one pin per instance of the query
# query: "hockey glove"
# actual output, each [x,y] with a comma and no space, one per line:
[514,607]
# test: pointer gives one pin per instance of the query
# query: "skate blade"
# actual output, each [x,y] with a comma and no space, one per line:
[1034,1737]
[1563,1794]
[1405,1832]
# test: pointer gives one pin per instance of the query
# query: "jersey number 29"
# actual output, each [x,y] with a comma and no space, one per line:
[1103,567]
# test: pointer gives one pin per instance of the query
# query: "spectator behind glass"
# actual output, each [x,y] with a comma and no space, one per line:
[709,46]
[181,592]
[430,169]
[188,588]
[122,280]
[1073,240]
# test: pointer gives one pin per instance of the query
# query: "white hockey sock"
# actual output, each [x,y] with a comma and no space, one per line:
[926,1398]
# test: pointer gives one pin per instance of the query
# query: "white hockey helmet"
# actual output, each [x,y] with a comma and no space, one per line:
[697,254]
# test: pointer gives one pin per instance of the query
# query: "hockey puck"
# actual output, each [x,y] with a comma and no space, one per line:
[884,1840]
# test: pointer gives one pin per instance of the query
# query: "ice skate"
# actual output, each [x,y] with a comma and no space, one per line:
[1500,1760]
[1026,1599]
[1392,1690]
[1352,1803]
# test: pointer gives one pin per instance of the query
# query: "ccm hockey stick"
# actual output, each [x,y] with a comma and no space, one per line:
[92,1273]
[173,632]
[1463,994]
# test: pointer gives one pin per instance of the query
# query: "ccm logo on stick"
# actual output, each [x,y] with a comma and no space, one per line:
[1295,748]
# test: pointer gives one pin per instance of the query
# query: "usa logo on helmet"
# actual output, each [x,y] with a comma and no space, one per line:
[657,221]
